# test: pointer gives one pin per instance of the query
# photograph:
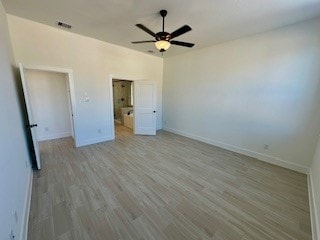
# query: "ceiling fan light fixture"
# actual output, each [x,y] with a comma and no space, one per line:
[163,39]
[162,45]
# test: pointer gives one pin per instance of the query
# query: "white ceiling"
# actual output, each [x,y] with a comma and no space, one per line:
[212,21]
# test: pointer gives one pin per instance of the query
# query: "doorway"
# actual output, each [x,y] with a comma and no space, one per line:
[51,105]
[143,103]
[49,98]
[123,107]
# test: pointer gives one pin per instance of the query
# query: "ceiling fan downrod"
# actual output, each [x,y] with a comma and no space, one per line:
[163,14]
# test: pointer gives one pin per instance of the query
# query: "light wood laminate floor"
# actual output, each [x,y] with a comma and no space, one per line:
[163,187]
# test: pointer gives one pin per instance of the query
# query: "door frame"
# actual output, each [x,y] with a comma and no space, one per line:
[71,96]
[125,78]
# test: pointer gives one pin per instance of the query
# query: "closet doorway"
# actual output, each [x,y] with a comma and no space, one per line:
[50,101]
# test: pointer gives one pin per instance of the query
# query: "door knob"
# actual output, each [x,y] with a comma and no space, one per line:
[32,125]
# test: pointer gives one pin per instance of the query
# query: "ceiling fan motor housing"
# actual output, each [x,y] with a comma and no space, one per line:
[163,36]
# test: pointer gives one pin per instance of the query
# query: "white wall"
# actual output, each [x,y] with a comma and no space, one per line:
[15,170]
[243,94]
[48,94]
[92,62]
[315,183]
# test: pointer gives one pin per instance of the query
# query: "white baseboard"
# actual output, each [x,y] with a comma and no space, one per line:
[26,210]
[54,136]
[247,152]
[93,141]
[315,224]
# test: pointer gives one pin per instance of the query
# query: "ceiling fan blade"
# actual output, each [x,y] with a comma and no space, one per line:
[180,31]
[143,41]
[184,44]
[147,30]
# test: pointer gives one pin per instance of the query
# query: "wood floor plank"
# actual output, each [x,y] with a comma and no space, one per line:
[61,218]
[163,187]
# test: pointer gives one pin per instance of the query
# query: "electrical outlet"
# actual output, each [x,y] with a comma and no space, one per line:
[47,129]
[99,130]
[165,121]
[26,162]
[266,146]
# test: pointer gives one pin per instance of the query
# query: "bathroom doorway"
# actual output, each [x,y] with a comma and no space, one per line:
[123,92]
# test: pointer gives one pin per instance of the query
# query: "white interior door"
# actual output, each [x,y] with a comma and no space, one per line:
[32,125]
[144,107]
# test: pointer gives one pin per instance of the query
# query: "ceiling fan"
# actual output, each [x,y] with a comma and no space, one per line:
[163,40]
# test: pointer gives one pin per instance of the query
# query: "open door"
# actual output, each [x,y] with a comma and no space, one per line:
[144,107]
[32,125]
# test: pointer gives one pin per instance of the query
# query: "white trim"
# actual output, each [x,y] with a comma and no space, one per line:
[69,105]
[54,136]
[94,140]
[73,104]
[111,115]
[48,69]
[259,156]
[26,209]
[315,224]
[124,77]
